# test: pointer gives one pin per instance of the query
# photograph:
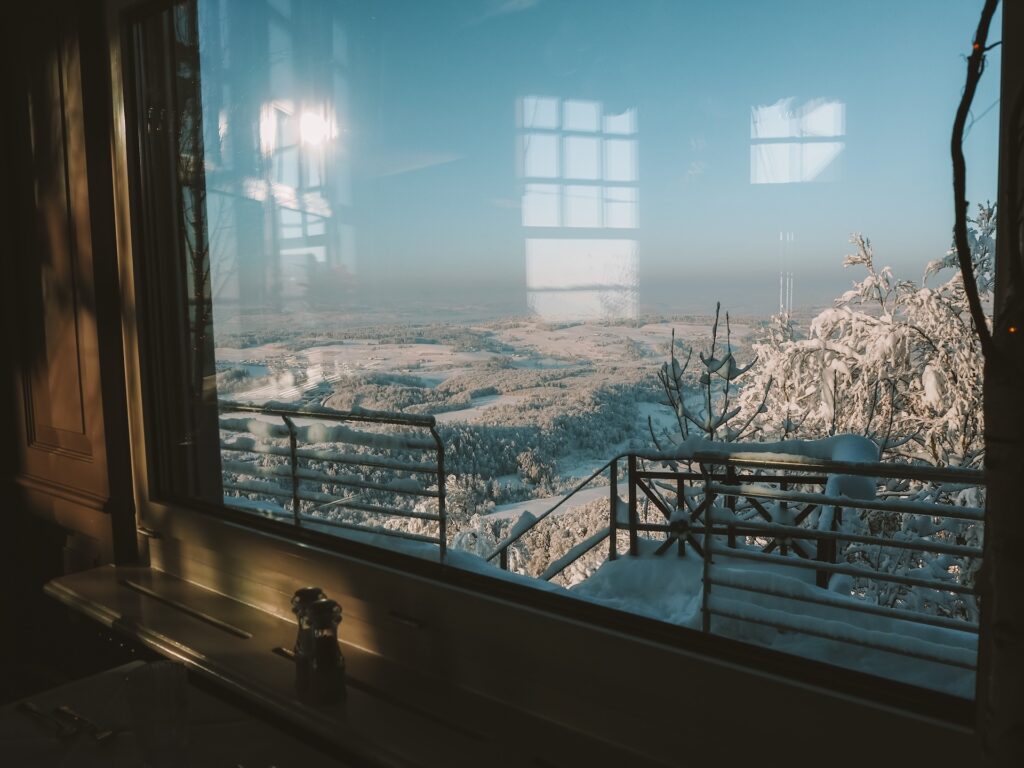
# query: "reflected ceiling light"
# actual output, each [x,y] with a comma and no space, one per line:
[313,128]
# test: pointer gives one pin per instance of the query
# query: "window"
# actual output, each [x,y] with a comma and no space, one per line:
[398,288]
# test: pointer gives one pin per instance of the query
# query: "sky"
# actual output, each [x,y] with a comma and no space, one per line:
[858,100]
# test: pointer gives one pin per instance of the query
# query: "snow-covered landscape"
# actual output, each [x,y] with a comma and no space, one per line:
[529,412]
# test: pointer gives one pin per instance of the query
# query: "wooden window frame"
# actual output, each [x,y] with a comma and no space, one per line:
[260,561]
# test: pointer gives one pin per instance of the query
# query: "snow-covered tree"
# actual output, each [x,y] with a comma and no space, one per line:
[705,404]
[899,362]
[894,360]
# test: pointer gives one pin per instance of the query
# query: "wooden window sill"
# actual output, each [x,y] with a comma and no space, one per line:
[392,714]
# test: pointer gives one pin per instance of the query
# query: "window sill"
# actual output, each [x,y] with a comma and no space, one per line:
[392,715]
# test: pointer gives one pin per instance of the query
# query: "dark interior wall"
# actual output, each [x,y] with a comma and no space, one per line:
[69,437]
[64,458]
[31,549]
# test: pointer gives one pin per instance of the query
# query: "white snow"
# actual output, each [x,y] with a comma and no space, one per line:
[537,506]
[523,524]
[665,588]
[669,588]
[476,409]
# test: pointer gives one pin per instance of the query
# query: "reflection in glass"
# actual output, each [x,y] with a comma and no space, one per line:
[276,168]
[793,144]
[414,208]
[582,279]
[592,278]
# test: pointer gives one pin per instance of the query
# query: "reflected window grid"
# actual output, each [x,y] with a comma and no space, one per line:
[579,171]
[795,144]
[304,185]
[594,155]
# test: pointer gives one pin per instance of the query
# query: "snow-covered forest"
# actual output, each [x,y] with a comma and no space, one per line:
[525,409]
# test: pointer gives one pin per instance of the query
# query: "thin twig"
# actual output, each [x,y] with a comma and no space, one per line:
[757,411]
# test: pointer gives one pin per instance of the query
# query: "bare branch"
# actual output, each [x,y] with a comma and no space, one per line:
[975,68]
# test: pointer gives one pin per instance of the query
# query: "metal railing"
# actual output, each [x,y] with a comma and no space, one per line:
[517,532]
[730,507]
[335,477]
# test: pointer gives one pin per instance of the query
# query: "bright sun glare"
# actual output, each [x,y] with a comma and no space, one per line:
[313,128]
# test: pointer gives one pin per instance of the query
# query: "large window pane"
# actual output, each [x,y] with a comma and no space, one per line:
[477,227]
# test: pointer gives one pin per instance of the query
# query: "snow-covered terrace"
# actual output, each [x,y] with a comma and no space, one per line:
[812,548]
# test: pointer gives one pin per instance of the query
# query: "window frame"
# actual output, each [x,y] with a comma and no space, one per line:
[175,533]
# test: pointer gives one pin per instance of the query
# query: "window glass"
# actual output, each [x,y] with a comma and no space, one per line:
[460,239]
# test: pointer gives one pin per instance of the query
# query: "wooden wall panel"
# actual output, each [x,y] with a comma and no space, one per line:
[57,389]
[61,427]
[53,309]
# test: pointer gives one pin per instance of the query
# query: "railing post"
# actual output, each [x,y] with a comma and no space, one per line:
[503,559]
[784,505]
[293,443]
[730,502]
[826,550]
[613,505]
[681,508]
[631,467]
[442,511]
[709,539]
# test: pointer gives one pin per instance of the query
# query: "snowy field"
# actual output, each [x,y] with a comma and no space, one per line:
[525,410]
[572,394]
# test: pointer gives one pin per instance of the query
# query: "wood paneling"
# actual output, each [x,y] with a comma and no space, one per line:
[62,429]
[55,306]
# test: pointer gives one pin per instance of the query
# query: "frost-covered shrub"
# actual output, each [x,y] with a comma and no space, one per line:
[899,362]
[705,402]
[894,360]
[465,497]
[549,540]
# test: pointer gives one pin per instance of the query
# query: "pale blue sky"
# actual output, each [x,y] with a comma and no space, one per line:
[431,133]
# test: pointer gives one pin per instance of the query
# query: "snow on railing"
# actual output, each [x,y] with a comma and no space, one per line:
[290,465]
[751,510]
[929,568]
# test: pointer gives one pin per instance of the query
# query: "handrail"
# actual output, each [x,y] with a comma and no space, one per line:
[713,537]
[790,461]
[297,476]
[859,468]
[504,545]
[781,461]
[882,505]
[323,412]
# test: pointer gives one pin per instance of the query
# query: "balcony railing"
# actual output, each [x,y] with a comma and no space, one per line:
[311,468]
[747,516]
